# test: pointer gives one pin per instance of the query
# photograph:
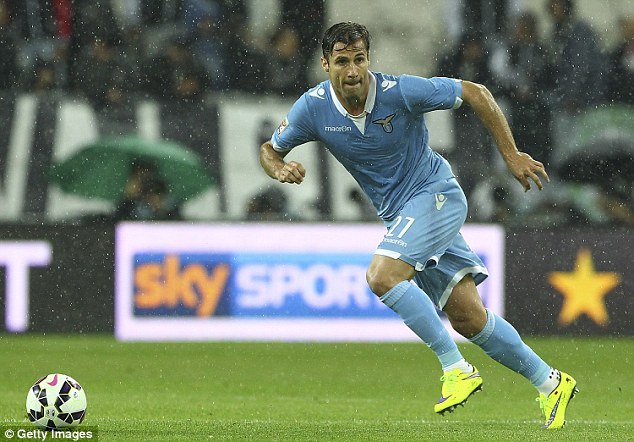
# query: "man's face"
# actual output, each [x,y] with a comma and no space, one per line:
[347,68]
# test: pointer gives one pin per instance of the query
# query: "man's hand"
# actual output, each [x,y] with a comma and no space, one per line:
[274,165]
[523,167]
[292,172]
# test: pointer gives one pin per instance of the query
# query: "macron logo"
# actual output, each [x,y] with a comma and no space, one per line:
[440,200]
[337,128]
[318,93]
[387,85]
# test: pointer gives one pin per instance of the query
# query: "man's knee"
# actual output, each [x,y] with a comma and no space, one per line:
[379,283]
[384,273]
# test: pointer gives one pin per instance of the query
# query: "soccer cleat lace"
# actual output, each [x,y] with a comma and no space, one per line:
[457,387]
[554,405]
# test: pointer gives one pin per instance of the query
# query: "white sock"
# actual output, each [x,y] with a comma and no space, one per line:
[462,364]
[551,382]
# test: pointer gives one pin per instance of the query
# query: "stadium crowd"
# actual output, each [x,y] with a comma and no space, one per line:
[183,50]
[168,49]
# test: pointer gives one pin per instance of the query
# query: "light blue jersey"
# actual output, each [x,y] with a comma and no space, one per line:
[412,187]
[387,153]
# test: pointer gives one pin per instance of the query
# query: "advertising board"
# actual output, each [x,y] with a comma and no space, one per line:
[294,282]
[56,278]
[575,282]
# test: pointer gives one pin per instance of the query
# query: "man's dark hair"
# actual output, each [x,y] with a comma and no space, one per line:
[346,33]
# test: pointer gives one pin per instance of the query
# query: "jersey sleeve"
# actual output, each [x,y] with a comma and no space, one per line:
[429,94]
[295,129]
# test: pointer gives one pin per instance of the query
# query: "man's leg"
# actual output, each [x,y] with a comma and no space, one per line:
[494,335]
[389,279]
[502,342]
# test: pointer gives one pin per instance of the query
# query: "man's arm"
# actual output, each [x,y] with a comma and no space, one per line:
[274,165]
[520,164]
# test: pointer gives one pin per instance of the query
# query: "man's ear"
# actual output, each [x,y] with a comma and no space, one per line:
[324,64]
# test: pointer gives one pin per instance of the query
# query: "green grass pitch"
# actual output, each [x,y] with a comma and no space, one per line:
[314,392]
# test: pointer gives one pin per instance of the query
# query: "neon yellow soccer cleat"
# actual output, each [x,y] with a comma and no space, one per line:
[457,387]
[554,405]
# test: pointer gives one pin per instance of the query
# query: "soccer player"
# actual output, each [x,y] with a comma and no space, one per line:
[374,124]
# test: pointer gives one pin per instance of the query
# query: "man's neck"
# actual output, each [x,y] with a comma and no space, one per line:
[353,107]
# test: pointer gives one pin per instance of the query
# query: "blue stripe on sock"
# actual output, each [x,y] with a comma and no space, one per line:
[392,296]
[486,332]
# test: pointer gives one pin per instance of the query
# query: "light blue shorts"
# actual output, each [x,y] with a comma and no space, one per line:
[426,235]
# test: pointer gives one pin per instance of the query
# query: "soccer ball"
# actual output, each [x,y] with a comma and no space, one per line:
[56,401]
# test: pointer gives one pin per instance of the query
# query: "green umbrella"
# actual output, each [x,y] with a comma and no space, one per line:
[602,146]
[101,169]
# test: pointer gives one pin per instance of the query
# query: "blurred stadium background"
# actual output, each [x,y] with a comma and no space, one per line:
[115,68]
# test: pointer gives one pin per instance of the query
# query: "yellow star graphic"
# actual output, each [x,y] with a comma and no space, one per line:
[583,290]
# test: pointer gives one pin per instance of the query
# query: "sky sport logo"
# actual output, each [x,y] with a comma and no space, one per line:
[16,433]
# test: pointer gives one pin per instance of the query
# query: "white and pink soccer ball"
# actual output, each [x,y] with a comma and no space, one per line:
[56,401]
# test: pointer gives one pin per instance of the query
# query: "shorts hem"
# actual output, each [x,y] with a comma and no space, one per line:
[475,270]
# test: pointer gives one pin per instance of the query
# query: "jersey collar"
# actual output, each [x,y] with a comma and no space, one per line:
[369,102]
